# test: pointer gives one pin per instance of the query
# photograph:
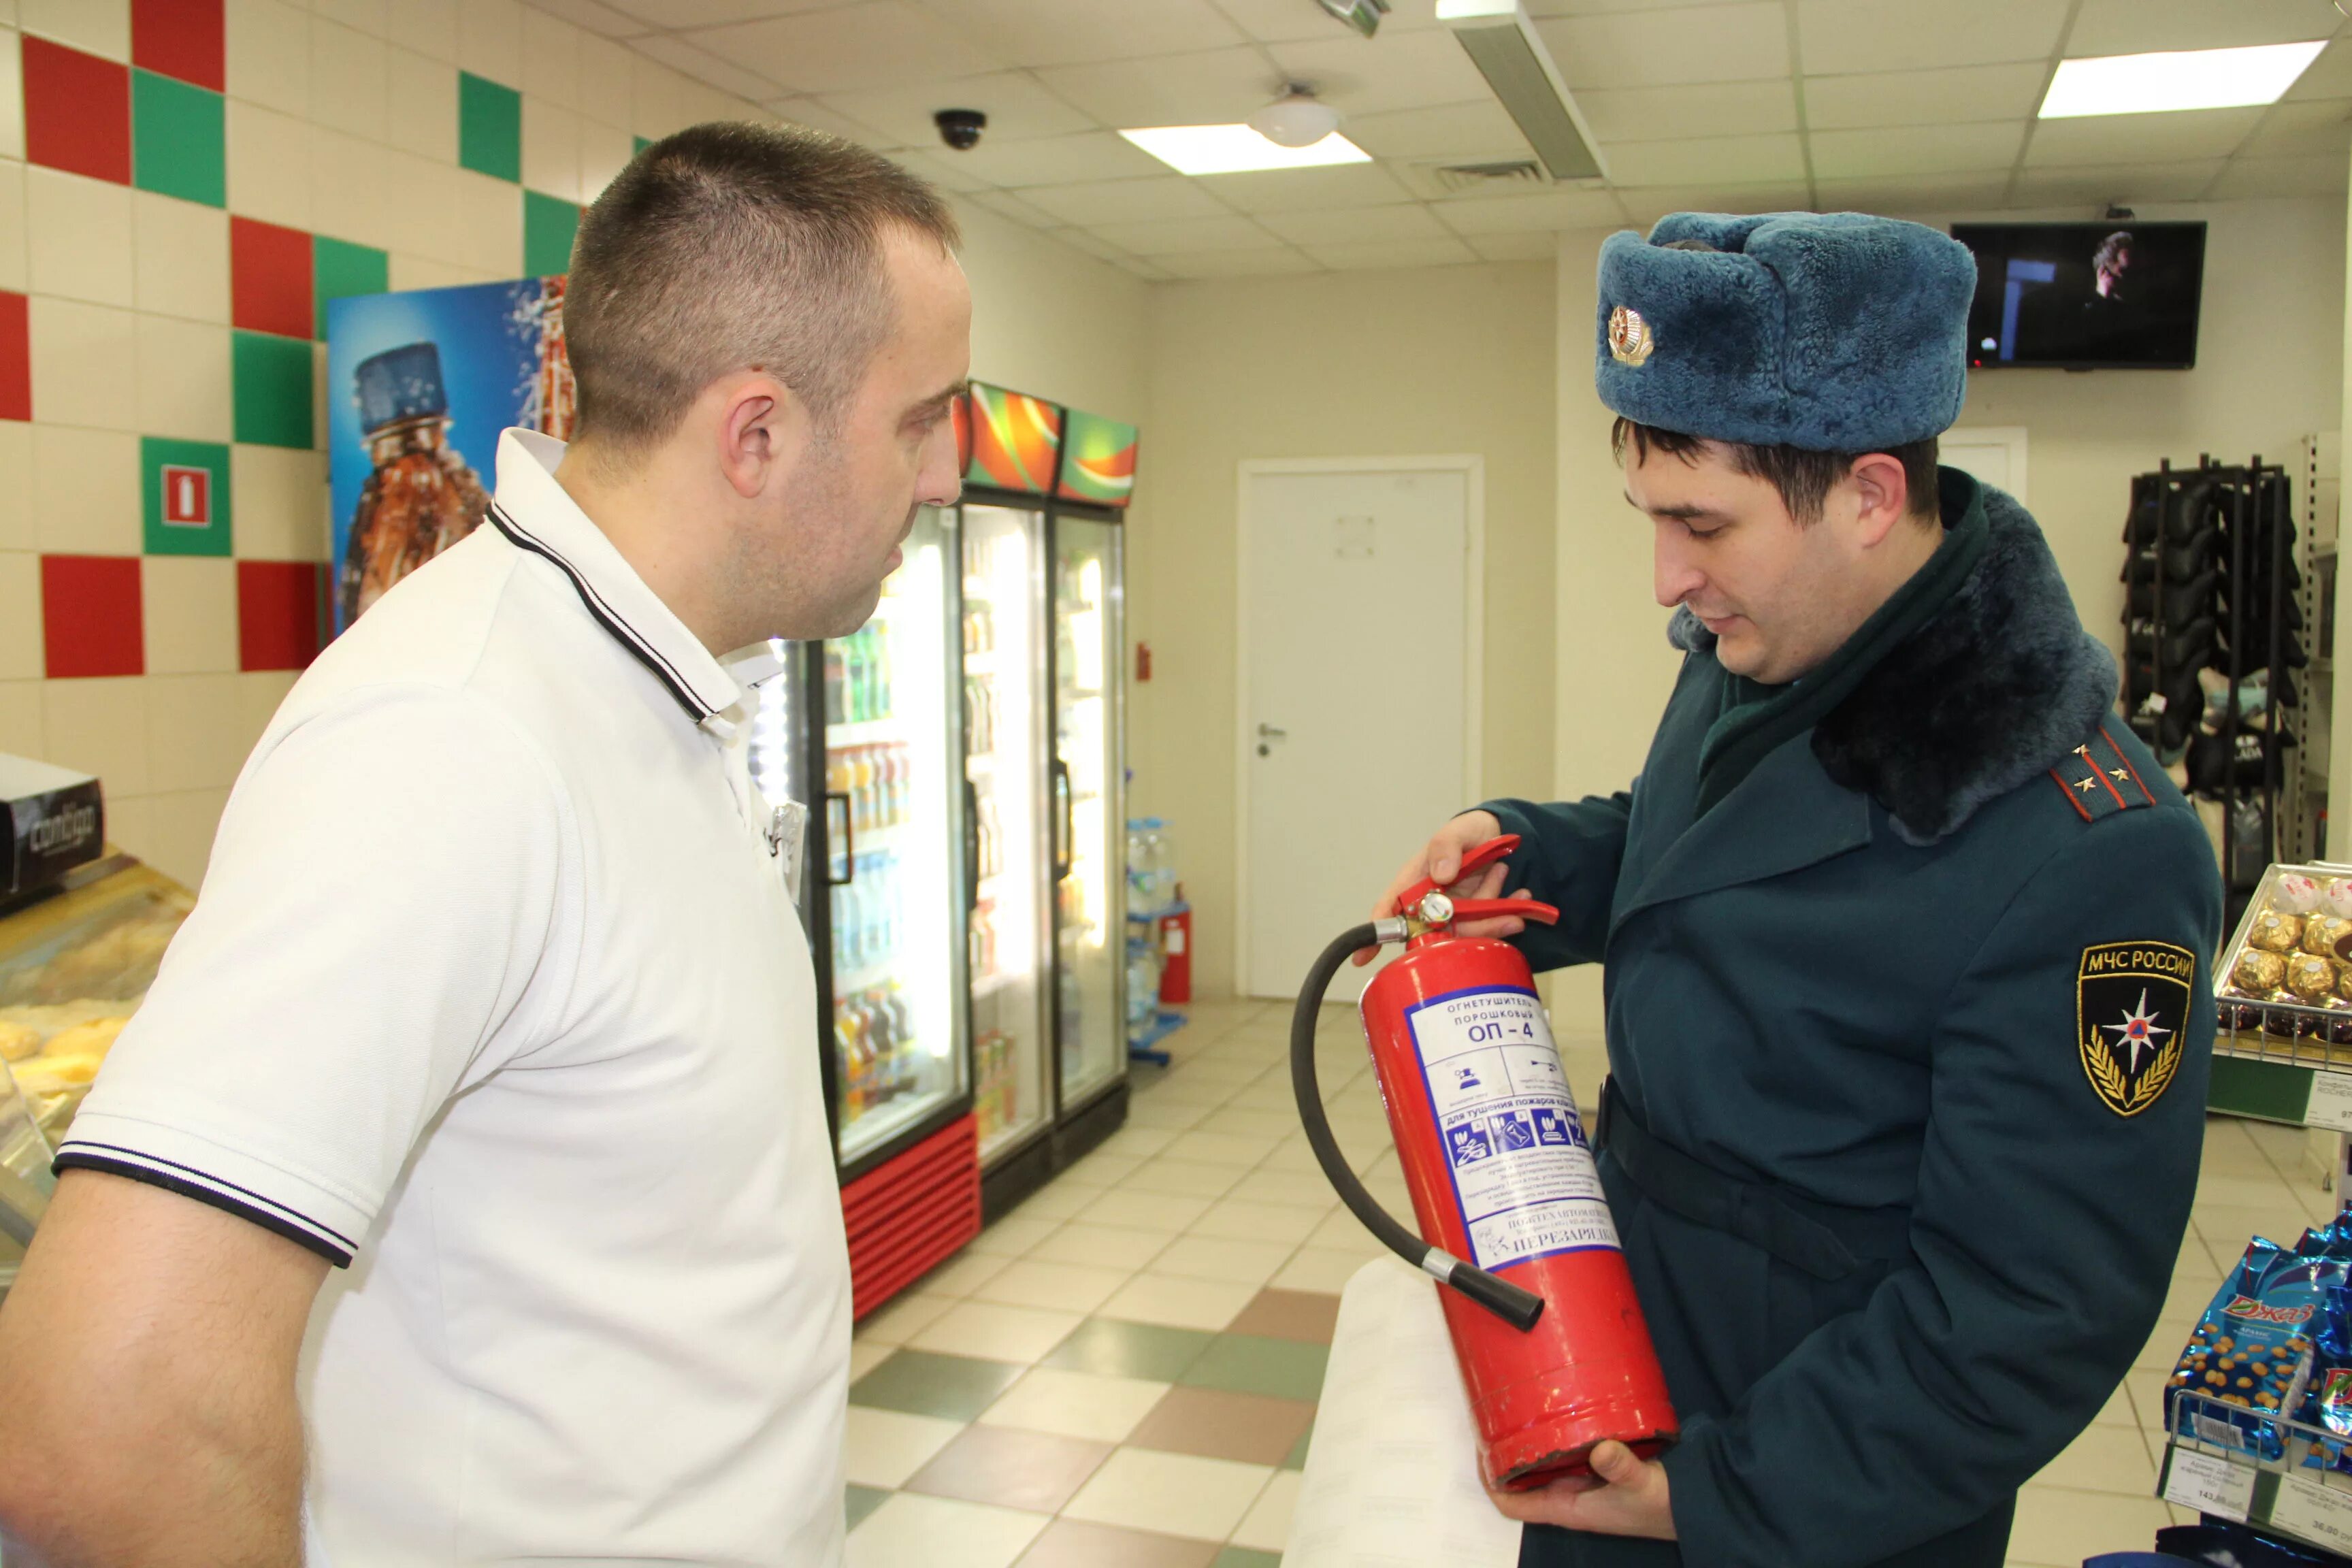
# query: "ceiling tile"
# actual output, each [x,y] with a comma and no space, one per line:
[1201,264]
[1914,150]
[2293,128]
[1544,213]
[1291,21]
[1394,254]
[2142,26]
[1058,161]
[1004,204]
[1178,237]
[710,13]
[1953,96]
[1838,35]
[2139,138]
[705,67]
[879,44]
[1356,226]
[1515,246]
[812,113]
[2124,183]
[592,15]
[1913,192]
[1463,131]
[1710,160]
[1604,7]
[1359,76]
[1088,244]
[1722,109]
[1306,190]
[2330,75]
[1016,107]
[1648,207]
[2307,176]
[1660,49]
[1215,87]
[939,170]
[1151,274]
[1074,32]
[1100,202]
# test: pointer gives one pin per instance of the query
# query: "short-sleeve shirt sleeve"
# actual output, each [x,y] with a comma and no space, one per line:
[382,925]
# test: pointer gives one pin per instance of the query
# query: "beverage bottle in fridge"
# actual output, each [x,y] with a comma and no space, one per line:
[902,1029]
[880,656]
[836,712]
[853,677]
[882,1046]
[847,1044]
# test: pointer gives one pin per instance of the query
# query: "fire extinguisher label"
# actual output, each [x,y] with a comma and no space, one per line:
[1515,1149]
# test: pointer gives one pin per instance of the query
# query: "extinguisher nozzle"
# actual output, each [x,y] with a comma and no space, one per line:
[1518,1308]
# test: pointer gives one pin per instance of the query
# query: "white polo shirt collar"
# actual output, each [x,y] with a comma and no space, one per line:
[537,514]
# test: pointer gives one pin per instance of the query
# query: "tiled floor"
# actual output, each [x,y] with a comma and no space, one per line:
[1122,1373]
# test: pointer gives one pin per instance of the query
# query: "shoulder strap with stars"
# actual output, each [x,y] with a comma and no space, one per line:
[2098,780]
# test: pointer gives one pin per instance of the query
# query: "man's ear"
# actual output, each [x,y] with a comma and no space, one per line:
[762,430]
[1886,494]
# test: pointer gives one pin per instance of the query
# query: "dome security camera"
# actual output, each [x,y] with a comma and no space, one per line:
[960,127]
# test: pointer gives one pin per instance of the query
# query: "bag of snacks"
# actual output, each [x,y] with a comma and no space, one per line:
[2253,1348]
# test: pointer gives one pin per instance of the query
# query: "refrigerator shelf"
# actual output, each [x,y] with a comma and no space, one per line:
[988,985]
[864,733]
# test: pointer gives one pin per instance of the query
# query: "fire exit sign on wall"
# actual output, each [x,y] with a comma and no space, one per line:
[184,488]
[187,497]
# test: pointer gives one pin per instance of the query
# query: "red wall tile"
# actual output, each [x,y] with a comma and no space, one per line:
[181,39]
[269,278]
[15,358]
[278,614]
[90,620]
[77,112]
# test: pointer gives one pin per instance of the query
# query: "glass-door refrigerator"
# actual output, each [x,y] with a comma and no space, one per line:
[1089,815]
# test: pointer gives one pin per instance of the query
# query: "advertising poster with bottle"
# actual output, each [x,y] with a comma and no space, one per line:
[418,386]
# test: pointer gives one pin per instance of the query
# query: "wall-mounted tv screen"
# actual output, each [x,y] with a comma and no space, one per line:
[2118,294]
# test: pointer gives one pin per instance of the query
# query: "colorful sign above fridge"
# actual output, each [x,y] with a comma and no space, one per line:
[1097,460]
[419,386]
[1011,441]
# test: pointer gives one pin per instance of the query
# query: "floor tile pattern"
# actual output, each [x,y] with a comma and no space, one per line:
[1123,1371]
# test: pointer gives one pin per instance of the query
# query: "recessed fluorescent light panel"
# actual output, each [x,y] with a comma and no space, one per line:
[1237,148]
[2185,79]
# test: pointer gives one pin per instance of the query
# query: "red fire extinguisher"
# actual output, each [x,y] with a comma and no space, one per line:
[1554,1352]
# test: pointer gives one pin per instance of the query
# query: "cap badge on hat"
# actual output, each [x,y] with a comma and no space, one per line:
[1629,339]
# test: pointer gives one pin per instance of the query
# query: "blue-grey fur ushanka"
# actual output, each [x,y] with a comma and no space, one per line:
[1836,331]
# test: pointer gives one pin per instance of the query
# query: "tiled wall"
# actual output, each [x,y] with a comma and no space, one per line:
[183,184]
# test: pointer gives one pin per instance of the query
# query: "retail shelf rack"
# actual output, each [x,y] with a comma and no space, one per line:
[2299,1494]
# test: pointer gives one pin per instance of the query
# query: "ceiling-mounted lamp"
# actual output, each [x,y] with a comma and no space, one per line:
[1505,47]
[1296,119]
[1364,15]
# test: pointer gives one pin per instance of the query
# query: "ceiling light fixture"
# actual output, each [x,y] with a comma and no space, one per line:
[1504,45]
[1364,15]
[2181,78]
[1238,149]
[1296,118]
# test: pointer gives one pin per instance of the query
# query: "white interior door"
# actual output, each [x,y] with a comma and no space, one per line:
[1355,734]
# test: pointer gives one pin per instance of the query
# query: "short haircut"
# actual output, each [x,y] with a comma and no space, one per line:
[1803,478]
[2114,246]
[728,246]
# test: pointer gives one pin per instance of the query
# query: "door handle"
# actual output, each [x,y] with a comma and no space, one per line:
[1268,732]
[1064,823]
[971,848]
[848,840]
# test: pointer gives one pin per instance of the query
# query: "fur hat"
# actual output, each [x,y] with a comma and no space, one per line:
[1836,332]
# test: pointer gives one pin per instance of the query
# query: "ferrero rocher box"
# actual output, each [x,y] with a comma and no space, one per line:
[55,820]
[2285,984]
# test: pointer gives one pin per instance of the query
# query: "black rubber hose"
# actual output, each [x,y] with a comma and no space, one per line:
[1518,1308]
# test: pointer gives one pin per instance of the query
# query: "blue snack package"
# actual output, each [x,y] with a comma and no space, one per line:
[2253,1349]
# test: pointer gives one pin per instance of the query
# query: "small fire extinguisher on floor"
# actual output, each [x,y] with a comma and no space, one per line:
[1554,1352]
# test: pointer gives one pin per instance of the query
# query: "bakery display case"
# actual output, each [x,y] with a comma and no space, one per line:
[74,965]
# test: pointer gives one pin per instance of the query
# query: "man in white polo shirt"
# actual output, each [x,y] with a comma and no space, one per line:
[495,996]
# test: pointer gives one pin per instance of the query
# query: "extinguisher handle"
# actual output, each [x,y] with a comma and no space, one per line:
[1517,1307]
[1494,909]
[1473,860]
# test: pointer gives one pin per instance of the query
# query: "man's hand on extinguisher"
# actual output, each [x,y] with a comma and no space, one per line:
[1624,1496]
[1439,860]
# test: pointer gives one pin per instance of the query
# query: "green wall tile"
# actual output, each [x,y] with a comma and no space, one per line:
[177,139]
[548,225]
[207,498]
[273,389]
[339,268]
[490,127]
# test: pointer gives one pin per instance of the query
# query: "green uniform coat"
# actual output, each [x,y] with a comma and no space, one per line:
[1877,940]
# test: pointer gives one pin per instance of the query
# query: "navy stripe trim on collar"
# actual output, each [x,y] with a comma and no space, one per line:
[607,616]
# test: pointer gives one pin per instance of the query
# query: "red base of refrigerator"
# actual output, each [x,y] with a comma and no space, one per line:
[911,1213]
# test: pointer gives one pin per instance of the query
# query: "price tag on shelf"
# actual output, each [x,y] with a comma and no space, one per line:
[2331,1102]
[2313,1512]
[2210,1485]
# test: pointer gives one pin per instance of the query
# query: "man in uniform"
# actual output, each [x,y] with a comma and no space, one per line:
[1907,939]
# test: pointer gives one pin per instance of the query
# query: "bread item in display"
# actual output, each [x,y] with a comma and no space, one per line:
[17,1041]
